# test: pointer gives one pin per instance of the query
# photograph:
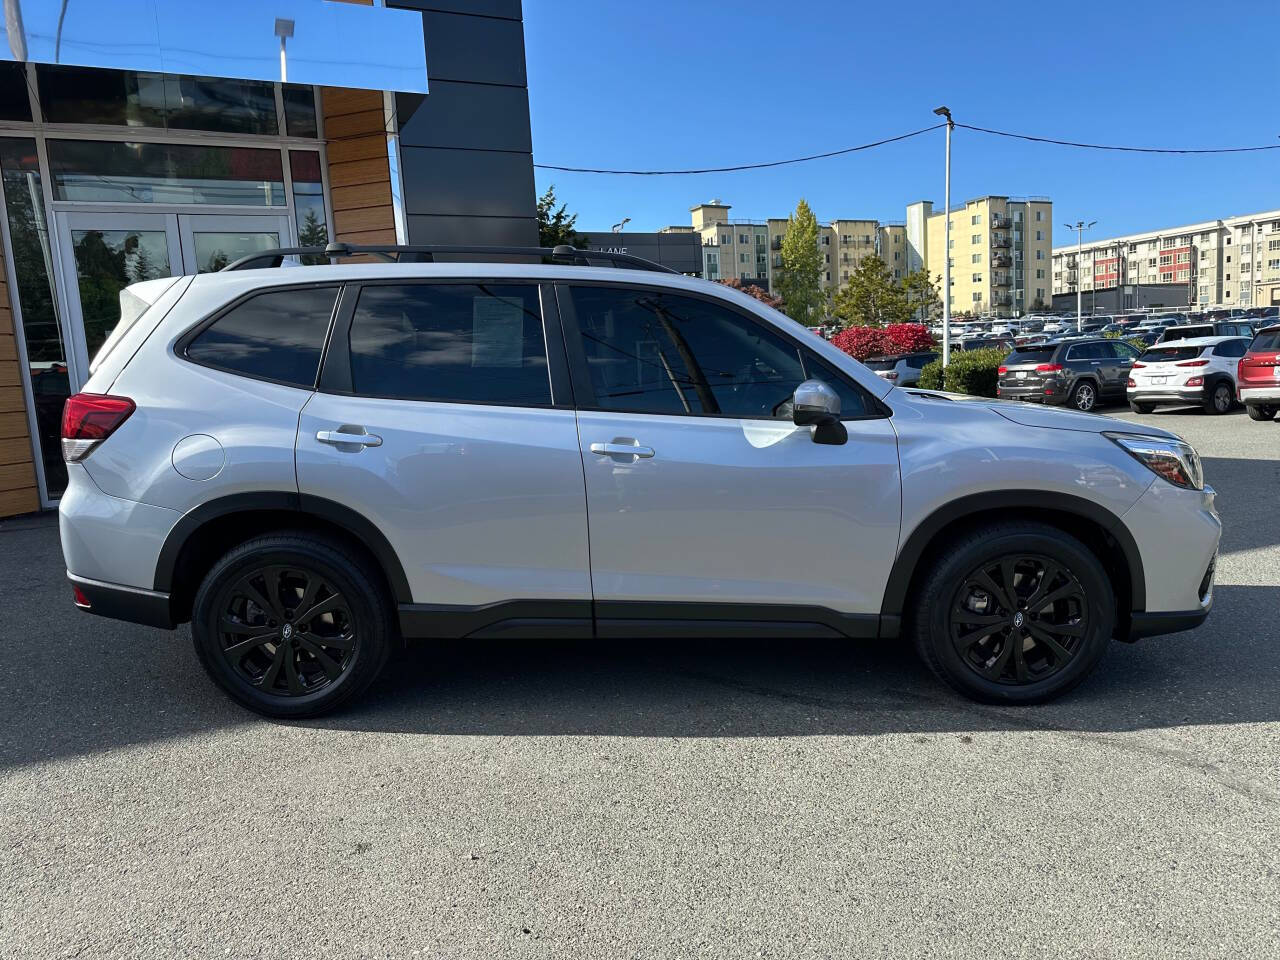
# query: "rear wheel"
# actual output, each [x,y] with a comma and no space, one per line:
[1259,412]
[1084,396]
[292,625]
[1017,613]
[1137,407]
[1218,397]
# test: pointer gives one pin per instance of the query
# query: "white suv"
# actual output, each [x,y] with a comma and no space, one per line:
[1200,370]
[311,464]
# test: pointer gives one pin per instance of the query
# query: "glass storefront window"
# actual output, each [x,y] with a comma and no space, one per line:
[299,111]
[139,99]
[107,261]
[97,171]
[14,102]
[308,201]
[42,333]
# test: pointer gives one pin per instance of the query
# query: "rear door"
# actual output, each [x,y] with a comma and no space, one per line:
[443,416]
[708,508]
[1117,360]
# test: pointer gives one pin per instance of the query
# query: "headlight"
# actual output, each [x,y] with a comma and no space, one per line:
[1174,460]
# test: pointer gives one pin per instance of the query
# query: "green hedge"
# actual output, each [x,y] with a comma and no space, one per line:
[931,375]
[974,371]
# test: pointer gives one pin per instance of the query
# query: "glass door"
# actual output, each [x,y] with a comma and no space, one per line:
[102,253]
[211,241]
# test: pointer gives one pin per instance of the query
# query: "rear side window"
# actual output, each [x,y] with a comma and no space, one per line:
[450,342]
[1268,341]
[1171,354]
[1087,351]
[881,364]
[1230,348]
[277,335]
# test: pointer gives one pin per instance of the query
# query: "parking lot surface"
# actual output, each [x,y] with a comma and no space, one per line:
[652,800]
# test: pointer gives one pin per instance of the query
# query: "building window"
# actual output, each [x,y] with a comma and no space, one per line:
[975,220]
[977,258]
[1039,254]
[977,297]
[1039,215]
[977,278]
[976,239]
[726,238]
[1039,234]
[1039,274]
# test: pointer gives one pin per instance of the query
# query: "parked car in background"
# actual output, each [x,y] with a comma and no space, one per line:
[1263,313]
[1258,375]
[1199,370]
[1081,373]
[983,343]
[902,369]
[1212,328]
[1113,328]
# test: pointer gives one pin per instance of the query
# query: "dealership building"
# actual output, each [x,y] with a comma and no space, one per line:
[131,152]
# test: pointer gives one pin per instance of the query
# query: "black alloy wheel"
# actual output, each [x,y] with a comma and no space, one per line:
[293,624]
[1018,619]
[286,630]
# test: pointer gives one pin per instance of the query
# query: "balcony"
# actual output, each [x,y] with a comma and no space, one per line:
[1000,241]
[1070,263]
[1000,223]
[777,263]
[1001,300]
[1001,279]
[1001,260]
[775,243]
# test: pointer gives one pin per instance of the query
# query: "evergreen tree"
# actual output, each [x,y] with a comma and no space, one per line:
[555,226]
[871,297]
[801,283]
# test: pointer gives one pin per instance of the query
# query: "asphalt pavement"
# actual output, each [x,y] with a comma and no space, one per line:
[651,800]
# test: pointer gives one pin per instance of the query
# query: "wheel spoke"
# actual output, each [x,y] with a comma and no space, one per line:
[1060,653]
[308,593]
[1007,575]
[967,640]
[1019,657]
[238,650]
[997,667]
[961,615]
[1069,590]
[291,671]
[343,643]
[327,605]
[269,678]
[227,625]
[983,579]
[1061,629]
[1050,574]
[330,666]
[267,605]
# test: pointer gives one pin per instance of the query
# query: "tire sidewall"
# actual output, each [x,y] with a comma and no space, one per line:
[364,600]
[1063,549]
[1075,396]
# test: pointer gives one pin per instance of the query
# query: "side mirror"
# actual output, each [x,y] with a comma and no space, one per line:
[815,404]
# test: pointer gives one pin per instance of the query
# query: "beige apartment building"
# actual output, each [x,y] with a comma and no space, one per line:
[752,249]
[1233,262]
[1001,250]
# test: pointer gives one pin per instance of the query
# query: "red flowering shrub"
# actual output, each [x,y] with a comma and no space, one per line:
[862,343]
[909,337]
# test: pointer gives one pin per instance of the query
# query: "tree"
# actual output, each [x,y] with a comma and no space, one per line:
[921,292]
[752,290]
[801,283]
[870,296]
[555,226]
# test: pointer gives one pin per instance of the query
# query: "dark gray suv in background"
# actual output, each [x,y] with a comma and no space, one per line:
[1082,373]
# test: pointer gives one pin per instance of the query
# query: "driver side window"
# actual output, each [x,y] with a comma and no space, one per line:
[653,352]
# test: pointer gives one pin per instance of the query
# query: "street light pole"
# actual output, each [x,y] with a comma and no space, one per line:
[1080,227]
[946,244]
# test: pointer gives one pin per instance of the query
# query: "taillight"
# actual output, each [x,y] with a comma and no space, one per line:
[1194,382]
[1131,383]
[890,375]
[1137,364]
[1192,363]
[1002,370]
[88,419]
[1048,367]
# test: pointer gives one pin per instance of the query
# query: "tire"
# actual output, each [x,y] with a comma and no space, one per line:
[311,665]
[1219,397]
[1084,396]
[1080,622]
[1137,407]
[1259,412]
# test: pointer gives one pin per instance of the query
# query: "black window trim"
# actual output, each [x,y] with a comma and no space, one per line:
[335,366]
[183,342]
[585,393]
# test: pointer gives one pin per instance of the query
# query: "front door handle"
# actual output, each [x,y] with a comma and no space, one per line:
[622,447]
[349,436]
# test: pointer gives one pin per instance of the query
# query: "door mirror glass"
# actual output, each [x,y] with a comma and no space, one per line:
[816,404]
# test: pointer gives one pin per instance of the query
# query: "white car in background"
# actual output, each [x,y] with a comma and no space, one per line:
[1200,370]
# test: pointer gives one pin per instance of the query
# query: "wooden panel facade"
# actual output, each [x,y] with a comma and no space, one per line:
[359,175]
[18,493]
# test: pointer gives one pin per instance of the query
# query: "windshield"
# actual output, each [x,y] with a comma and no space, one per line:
[1030,355]
[1170,354]
[882,364]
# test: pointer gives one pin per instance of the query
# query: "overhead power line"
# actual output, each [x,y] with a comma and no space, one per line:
[907,136]
[744,166]
[1107,146]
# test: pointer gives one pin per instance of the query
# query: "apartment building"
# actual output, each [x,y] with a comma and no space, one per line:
[1000,252]
[751,250]
[1233,262]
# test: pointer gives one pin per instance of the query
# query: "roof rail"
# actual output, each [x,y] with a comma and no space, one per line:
[410,253]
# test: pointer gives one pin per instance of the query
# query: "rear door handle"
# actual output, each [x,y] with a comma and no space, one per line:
[347,435]
[622,447]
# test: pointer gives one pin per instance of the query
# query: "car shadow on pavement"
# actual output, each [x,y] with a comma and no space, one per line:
[1246,500]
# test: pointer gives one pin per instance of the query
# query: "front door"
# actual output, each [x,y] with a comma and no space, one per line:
[704,501]
[102,253]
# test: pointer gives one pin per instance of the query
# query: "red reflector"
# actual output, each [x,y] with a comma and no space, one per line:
[1192,363]
[1048,367]
[1002,370]
[1131,383]
[94,416]
[81,599]
[1195,382]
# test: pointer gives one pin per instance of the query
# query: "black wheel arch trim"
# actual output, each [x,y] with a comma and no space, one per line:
[355,524]
[914,547]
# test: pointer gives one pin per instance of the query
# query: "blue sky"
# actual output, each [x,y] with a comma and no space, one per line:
[661,83]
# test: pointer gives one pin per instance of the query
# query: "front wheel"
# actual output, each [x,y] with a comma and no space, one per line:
[1219,398]
[1259,412]
[1018,613]
[1084,396]
[292,625]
